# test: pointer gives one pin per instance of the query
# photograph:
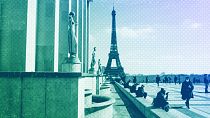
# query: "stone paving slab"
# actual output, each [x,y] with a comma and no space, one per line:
[199,105]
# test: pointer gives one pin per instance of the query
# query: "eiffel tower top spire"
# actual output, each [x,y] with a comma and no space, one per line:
[113,36]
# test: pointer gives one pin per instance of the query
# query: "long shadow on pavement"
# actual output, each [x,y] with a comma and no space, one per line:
[133,111]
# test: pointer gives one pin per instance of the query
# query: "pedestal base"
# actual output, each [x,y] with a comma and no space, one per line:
[68,67]
[72,65]
[92,71]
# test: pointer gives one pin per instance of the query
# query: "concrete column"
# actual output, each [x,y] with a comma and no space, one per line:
[86,45]
[75,9]
[45,35]
[80,32]
[85,58]
[31,36]
[13,26]
[56,35]
[63,8]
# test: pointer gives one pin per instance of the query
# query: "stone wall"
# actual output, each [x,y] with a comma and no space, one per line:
[38,95]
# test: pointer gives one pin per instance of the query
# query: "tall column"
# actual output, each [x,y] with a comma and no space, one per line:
[86,45]
[31,36]
[63,31]
[13,26]
[56,35]
[85,58]
[45,35]
[75,9]
[80,32]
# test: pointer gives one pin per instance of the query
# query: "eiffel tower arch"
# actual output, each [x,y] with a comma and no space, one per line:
[117,71]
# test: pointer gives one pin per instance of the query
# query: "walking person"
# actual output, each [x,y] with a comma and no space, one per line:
[175,79]
[166,79]
[179,79]
[146,79]
[187,91]
[206,82]
[194,80]
[158,80]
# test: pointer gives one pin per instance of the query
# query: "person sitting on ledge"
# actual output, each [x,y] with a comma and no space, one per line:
[140,92]
[126,84]
[133,88]
[161,100]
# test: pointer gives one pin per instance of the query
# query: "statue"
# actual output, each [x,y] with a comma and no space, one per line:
[72,39]
[93,61]
[72,62]
[99,67]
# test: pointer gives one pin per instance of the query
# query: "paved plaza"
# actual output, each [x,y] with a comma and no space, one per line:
[123,108]
[199,105]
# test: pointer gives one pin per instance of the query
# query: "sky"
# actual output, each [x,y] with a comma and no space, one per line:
[154,36]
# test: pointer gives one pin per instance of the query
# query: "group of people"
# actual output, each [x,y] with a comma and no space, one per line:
[162,96]
[168,80]
[186,92]
[160,100]
[139,91]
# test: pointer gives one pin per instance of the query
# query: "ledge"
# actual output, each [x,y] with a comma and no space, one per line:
[88,92]
[99,103]
[145,106]
[104,87]
[88,75]
[41,74]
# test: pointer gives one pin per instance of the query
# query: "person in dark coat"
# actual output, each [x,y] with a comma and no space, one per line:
[179,79]
[206,82]
[175,79]
[126,85]
[133,88]
[134,79]
[187,91]
[140,92]
[158,80]
[194,80]
[161,99]
[166,79]
[146,79]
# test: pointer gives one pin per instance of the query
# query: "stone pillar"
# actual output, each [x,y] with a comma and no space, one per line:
[63,32]
[86,40]
[85,58]
[45,35]
[56,35]
[80,32]
[31,36]
[97,85]
[13,26]
[75,9]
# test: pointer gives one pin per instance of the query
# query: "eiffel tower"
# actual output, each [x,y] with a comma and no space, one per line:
[114,55]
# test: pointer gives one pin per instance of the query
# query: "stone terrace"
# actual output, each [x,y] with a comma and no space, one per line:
[199,105]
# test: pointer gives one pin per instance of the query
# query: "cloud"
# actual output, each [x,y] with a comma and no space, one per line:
[190,24]
[127,32]
[195,25]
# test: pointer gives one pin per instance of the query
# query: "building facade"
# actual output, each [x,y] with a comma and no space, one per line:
[33,34]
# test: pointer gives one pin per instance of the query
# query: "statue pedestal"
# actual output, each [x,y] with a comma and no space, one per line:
[92,71]
[71,65]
